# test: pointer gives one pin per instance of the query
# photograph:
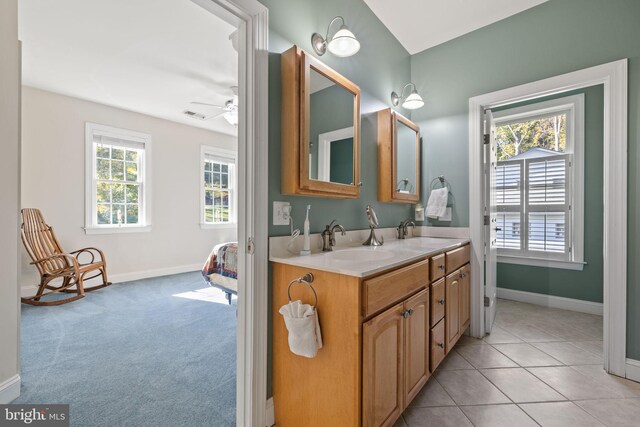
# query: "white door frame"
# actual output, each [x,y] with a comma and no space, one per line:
[252,19]
[613,76]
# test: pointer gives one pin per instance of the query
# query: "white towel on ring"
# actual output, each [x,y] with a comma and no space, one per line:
[437,204]
[304,328]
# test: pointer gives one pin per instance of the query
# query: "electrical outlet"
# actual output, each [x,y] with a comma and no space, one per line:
[281,212]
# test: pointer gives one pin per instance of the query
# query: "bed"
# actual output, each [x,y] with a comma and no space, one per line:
[221,269]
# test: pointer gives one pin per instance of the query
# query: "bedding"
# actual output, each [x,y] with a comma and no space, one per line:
[221,268]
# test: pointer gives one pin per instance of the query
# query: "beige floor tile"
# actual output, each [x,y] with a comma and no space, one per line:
[521,386]
[626,388]
[572,384]
[485,356]
[614,412]
[566,332]
[592,346]
[467,340]
[470,388]
[400,422]
[453,362]
[432,395]
[500,336]
[526,355]
[436,417]
[498,416]
[530,333]
[559,414]
[568,353]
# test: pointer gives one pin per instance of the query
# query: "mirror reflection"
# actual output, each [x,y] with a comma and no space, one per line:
[331,148]
[405,158]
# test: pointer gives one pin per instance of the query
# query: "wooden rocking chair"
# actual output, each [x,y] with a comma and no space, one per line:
[53,263]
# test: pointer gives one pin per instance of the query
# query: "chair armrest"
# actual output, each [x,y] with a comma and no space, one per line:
[91,251]
[68,257]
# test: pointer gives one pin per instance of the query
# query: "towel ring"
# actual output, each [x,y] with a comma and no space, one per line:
[306,279]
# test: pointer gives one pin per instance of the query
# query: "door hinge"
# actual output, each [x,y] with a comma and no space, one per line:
[487,220]
[487,138]
[250,246]
[487,301]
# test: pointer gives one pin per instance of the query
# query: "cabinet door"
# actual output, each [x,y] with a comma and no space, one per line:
[452,310]
[465,297]
[382,360]
[416,344]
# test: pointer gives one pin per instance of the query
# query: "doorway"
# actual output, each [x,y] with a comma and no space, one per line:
[613,77]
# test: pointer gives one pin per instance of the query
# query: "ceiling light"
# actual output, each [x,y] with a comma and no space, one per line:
[411,102]
[231,117]
[342,44]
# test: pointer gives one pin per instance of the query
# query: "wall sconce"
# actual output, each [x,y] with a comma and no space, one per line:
[342,44]
[411,102]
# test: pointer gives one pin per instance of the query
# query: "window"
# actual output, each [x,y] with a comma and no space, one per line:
[218,183]
[539,183]
[116,186]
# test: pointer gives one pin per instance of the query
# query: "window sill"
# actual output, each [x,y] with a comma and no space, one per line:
[116,230]
[542,262]
[207,226]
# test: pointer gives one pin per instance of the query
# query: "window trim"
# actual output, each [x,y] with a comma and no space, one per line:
[574,106]
[90,181]
[225,155]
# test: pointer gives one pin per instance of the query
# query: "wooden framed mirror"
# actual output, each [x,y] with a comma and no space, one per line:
[398,158]
[320,129]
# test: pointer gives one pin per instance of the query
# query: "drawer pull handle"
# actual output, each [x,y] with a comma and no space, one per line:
[441,267]
[463,275]
[441,345]
[407,313]
[441,301]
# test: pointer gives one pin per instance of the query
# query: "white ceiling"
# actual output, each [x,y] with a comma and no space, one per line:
[421,24]
[149,56]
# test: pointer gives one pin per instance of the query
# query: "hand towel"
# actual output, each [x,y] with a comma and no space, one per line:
[302,323]
[437,204]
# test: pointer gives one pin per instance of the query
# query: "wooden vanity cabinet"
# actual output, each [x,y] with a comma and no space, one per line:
[452,310]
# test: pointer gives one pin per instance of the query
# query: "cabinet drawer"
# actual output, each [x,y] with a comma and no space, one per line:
[437,338]
[437,303]
[437,267]
[385,290]
[457,258]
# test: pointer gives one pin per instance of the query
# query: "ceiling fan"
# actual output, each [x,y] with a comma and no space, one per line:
[230,109]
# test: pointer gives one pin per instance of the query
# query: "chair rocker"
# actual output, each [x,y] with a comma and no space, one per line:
[53,263]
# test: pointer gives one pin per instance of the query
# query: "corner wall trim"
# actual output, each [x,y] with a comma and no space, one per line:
[552,301]
[10,390]
[633,370]
[270,415]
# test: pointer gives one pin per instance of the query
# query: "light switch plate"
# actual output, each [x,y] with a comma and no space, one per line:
[281,212]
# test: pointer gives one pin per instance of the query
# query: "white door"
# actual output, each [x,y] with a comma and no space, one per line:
[491,222]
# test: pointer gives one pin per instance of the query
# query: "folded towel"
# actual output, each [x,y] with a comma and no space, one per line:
[304,328]
[437,204]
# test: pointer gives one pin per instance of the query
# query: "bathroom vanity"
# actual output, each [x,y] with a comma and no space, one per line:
[388,315]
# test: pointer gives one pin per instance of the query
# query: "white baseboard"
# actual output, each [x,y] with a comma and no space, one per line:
[271,417]
[10,390]
[27,291]
[551,301]
[633,370]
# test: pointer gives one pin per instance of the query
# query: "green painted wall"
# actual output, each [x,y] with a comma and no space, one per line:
[556,37]
[381,66]
[586,284]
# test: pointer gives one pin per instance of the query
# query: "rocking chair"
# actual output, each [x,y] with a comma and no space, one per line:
[53,263]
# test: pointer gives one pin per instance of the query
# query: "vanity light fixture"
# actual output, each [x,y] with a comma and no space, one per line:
[411,102]
[342,44]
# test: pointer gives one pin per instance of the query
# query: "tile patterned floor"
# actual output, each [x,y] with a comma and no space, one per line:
[539,366]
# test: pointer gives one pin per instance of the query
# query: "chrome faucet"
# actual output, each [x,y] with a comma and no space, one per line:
[329,236]
[373,224]
[402,228]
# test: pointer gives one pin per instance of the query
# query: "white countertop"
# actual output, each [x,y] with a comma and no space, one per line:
[353,259]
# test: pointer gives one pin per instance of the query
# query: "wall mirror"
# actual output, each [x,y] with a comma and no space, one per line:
[326,138]
[398,158]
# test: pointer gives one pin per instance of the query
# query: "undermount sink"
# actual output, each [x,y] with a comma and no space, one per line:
[361,255]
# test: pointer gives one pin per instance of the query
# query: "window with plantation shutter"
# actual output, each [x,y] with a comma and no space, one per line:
[218,187]
[539,183]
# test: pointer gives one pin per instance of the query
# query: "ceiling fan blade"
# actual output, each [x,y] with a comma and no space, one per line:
[208,105]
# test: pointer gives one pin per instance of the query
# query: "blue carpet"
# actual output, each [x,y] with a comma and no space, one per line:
[132,354]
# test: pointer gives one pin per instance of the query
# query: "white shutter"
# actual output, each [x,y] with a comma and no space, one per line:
[508,183]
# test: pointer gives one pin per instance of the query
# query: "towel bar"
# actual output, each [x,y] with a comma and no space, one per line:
[306,279]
